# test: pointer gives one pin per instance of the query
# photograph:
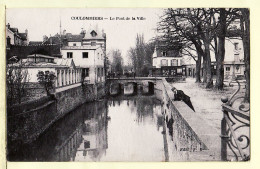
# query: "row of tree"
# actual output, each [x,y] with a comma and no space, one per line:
[200,30]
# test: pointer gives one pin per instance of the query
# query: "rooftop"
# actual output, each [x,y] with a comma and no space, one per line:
[40,56]
[94,34]
[80,47]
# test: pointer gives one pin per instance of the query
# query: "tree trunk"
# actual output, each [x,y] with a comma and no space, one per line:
[198,67]
[204,69]
[221,50]
[246,44]
[209,81]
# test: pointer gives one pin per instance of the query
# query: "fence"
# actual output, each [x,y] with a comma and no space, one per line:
[235,128]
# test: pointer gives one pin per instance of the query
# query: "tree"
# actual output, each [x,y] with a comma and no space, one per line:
[245,29]
[117,61]
[46,79]
[141,56]
[220,49]
[16,78]
[221,20]
[201,29]
[180,27]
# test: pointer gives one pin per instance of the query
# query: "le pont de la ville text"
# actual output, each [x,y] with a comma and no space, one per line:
[106,18]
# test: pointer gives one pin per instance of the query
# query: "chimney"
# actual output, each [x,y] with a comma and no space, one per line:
[8,25]
[83,32]
[64,32]
[26,31]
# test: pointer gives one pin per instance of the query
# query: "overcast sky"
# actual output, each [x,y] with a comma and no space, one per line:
[120,33]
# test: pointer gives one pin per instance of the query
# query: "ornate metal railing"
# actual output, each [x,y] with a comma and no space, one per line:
[235,128]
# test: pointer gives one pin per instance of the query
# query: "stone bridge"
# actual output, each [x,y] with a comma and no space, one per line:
[131,85]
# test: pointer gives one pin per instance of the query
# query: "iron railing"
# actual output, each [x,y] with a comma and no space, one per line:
[235,128]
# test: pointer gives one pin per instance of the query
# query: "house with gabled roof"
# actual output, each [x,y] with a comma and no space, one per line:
[14,37]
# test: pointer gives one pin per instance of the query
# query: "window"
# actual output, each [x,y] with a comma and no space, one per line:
[174,62]
[164,62]
[85,72]
[98,72]
[227,69]
[164,53]
[93,43]
[69,54]
[62,78]
[238,70]
[236,46]
[236,58]
[74,44]
[58,78]
[179,70]
[85,54]
[102,71]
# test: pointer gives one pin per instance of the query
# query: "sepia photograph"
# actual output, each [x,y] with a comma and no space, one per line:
[127,84]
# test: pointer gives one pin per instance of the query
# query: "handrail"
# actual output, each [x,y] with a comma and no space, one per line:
[236,112]
[235,128]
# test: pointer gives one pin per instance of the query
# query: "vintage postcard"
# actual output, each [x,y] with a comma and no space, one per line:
[127,84]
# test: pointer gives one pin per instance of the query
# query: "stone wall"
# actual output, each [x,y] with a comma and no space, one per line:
[69,99]
[25,122]
[33,91]
[187,132]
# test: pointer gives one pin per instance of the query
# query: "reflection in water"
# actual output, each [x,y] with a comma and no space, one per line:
[117,129]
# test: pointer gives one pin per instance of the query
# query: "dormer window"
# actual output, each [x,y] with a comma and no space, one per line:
[164,53]
[93,33]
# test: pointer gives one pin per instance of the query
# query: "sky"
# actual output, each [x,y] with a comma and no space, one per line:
[121,34]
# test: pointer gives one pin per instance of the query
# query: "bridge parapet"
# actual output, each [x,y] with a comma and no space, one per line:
[135,80]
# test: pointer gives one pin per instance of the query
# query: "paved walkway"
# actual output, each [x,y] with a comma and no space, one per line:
[207,102]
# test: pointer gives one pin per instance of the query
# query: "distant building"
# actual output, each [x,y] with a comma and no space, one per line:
[90,59]
[91,37]
[167,62]
[87,51]
[234,65]
[14,37]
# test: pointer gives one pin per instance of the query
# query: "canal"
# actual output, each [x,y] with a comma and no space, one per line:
[114,129]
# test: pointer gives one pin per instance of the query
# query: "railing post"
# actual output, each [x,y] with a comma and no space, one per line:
[224,138]
[224,133]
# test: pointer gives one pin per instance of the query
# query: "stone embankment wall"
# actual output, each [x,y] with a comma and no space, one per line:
[28,120]
[25,122]
[188,134]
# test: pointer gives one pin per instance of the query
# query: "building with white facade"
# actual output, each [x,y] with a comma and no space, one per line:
[234,65]
[64,69]
[89,58]
[167,62]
